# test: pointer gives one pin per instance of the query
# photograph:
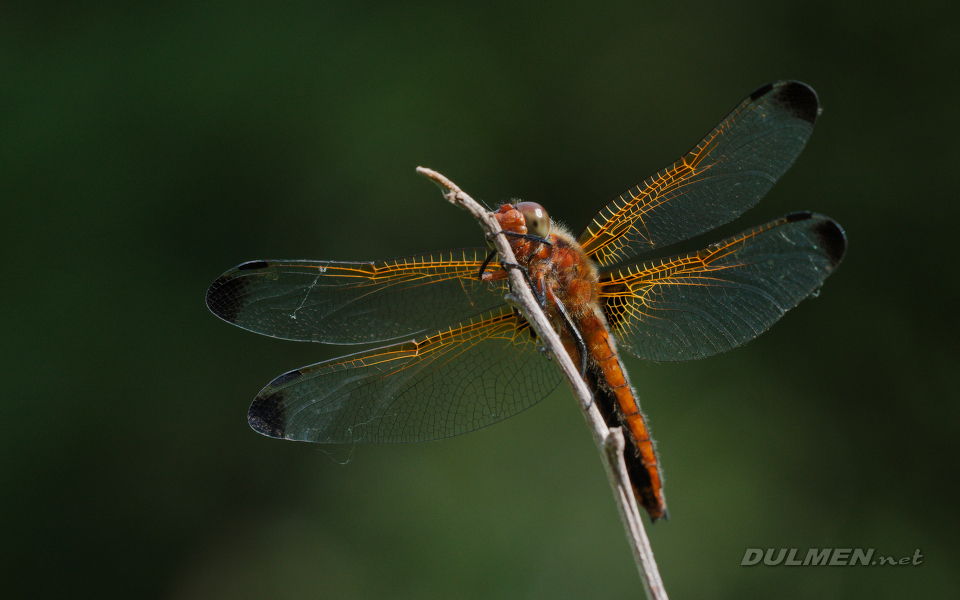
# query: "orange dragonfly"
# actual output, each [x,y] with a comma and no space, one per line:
[462,359]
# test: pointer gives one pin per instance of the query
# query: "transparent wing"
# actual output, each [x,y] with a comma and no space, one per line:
[706,302]
[463,378]
[354,302]
[724,175]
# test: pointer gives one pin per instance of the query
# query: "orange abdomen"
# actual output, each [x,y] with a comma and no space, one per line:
[616,400]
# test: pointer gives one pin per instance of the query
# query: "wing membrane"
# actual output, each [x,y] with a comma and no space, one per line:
[706,302]
[463,378]
[724,175]
[354,302]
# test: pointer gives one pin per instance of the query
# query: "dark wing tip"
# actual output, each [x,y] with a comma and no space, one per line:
[832,239]
[829,235]
[288,376]
[802,215]
[266,415]
[761,91]
[253,264]
[226,296]
[799,98]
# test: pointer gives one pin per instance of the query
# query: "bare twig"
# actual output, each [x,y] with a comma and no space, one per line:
[609,441]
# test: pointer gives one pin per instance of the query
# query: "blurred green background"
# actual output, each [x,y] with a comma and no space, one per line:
[147,149]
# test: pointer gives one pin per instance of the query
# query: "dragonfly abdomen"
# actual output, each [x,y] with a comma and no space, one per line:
[617,400]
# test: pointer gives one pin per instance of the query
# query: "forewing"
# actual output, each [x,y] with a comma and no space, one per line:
[706,302]
[354,302]
[463,378]
[724,175]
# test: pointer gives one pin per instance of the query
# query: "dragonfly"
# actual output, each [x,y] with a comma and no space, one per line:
[458,357]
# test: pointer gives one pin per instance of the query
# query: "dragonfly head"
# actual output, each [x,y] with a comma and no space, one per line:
[527,220]
[536,218]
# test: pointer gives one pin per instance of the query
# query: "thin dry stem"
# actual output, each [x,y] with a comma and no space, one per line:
[610,442]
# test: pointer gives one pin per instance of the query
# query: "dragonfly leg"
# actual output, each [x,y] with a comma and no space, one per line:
[483,267]
[538,290]
[526,236]
[531,237]
[574,333]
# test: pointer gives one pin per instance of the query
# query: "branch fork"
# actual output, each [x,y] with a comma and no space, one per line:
[610,442]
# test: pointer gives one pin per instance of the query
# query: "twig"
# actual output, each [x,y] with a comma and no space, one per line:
[609,441]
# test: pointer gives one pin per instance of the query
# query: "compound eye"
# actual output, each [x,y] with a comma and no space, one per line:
[535,216]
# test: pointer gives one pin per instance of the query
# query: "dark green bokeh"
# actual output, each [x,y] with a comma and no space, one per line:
[145,151]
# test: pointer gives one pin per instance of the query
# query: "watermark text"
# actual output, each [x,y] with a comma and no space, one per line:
[824,557]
